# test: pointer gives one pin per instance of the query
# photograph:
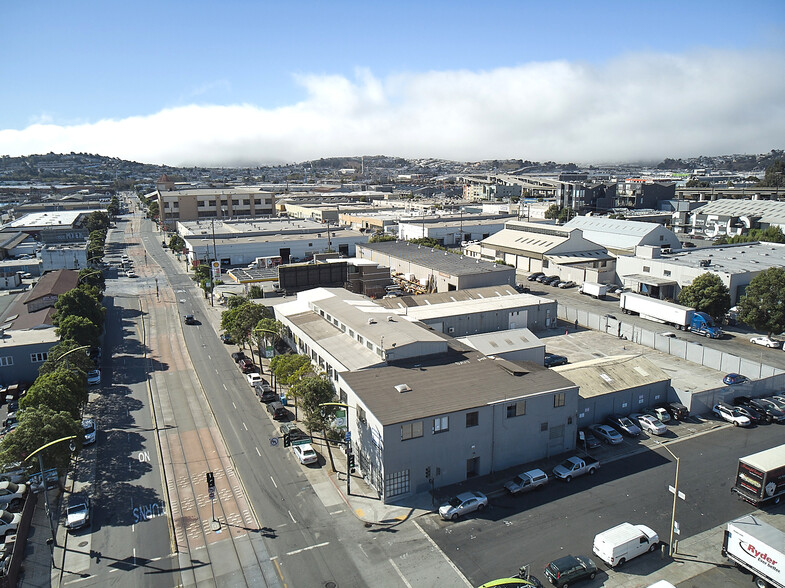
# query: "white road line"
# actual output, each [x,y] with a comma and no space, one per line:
[291,516]
[244,427]
[258,452]
[405,581]
[208,357]
[335,512]
[235,406]
[225,388]
[134,555]
[273,481]
[447,559]
[296,551]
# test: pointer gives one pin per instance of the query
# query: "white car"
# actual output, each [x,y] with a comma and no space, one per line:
[462,504]
[305,453]
[766,342]
[607,434]
[12,496]
[77,514]
[9,522]
[254,379]
[732,415]
[93,377]
[89,431]
[650,424]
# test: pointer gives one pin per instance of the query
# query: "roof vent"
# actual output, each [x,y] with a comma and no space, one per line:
[390,319]
[403,388]
[371,321]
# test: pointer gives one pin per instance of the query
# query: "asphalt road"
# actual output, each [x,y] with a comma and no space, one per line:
[563,518]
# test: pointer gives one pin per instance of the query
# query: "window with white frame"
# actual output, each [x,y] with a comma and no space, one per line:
[441,424]
[516,409]
[39,357]
[6,361]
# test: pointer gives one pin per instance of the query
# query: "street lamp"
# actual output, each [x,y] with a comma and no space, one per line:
[676,496]
[38,452]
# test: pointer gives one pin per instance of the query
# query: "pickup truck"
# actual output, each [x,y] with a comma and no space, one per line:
[575,466]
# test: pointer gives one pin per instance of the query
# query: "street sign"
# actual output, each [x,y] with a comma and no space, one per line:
[212,493]
[273,441]
[682,495]
[348,436]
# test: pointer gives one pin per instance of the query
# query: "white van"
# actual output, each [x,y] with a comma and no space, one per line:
[623,542]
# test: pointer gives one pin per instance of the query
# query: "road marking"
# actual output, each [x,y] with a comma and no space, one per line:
[134,555]
[296,551]
[208,357]
[235,406]
[246,428]
[291,516]
[271,478]
[335,512]
[359,512]
[447,559]
[400,574]
[257,452]
[225,388]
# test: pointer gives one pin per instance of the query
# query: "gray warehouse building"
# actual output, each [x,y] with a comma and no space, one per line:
[434,270]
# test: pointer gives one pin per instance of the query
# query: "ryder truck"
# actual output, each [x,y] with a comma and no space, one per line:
[761,476]
[757,547]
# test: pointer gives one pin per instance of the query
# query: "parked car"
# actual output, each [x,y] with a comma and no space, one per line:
[566,570]
[10,419]
[246,365]
[766,342]
[226,339]
[265,393]
[12,496]
[778,399]
[13,472]
[531,480]
[550,279]
[624,425]
[768,408]
[189,319]
[607,434]
[552,360]
[752,414]
[77,513]
[277,411]
[587,440]
[295,434]
[649,423]
[533,277]
[731,414]
[567,284]
[659,413]
[9,522]
[733,379]
[305,453]
[88,425]
[131,274]
[238,355]
[93,377]
[95,354]
[463,504]
[677,410]
[253,379]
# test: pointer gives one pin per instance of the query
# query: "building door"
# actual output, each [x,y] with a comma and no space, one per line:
[284,252]
[344,249]
[472,467]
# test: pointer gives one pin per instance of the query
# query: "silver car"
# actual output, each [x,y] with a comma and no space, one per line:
[462,504]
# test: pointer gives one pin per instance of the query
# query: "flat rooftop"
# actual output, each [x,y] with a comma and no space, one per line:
[733,259]
[436,259]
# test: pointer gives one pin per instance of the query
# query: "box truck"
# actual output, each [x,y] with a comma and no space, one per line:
[761,476]
[620,544]
[670,313]
[594,290]
[757,547]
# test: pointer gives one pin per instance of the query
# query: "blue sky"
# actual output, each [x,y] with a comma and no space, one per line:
[258,82]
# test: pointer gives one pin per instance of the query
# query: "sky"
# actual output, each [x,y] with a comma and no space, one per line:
[262,82]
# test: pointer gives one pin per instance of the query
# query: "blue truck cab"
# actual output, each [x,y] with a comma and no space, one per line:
[703,324]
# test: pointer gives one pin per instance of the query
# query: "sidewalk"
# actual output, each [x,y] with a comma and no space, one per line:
[37,568]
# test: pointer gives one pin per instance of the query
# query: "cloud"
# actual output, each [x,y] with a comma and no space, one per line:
[640,107]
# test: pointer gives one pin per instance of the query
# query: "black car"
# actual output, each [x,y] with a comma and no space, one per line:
[237,356]
[677,410]
[768,408]
[569,569]
[587,440]
[550,280]
[278,411]
[266,394]
[552,360]
[295,434]
[624,425]
[534,276]
[189,319]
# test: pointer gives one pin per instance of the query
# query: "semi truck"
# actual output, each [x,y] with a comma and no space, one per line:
[757,547]
[661,311]
[594,290]
[761,476]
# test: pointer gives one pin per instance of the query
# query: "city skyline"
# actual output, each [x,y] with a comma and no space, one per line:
[260,83]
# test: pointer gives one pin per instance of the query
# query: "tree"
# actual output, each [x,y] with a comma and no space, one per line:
[79,302]
[775,175]
[79,329]
[97,221]
[552,211]
[289,368]
[152,209]
[707,294]
[566,214]
[763,303]
[114,206]
[240,321]
[62,390]
[695,183]
[78,360]
[37,427]
[428,242]
[234,302]
[381,238]
[255,292]
[267,329]
[92,277]
[176,243]
[313,392]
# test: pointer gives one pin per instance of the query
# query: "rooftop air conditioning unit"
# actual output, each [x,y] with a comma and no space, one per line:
[403,388]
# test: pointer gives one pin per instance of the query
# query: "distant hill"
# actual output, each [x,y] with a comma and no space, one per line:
[734,163]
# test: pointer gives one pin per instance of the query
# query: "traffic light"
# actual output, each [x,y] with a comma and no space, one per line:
[287,439]
[428,472]
[210,480]
[350,459]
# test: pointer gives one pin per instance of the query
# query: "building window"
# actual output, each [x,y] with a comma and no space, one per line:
[351,333]
[235,202]
[667,272]
[212,202]
[441,424]
[472,419]
[361,415]
[397,483]
[558,400]
[646,269]
[258,202]
[516,409]
[411,430]
[6,361]
[543,427]
[369,345]
[39,357]
[360,339]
